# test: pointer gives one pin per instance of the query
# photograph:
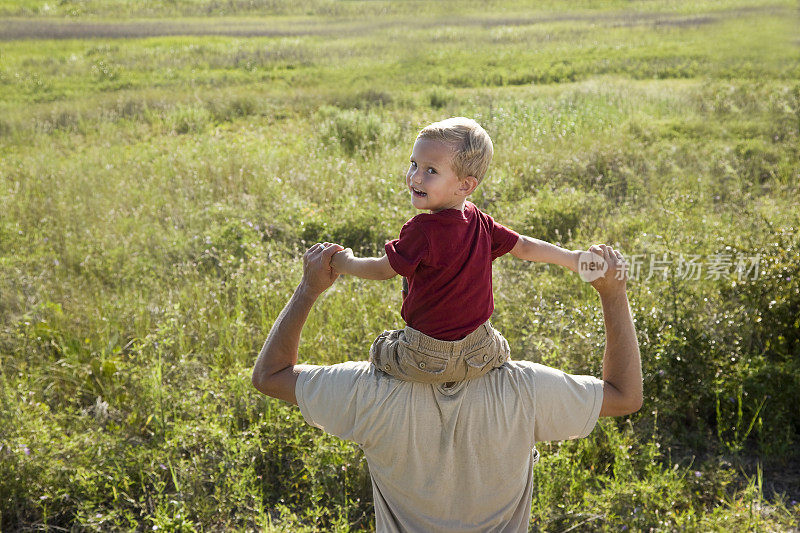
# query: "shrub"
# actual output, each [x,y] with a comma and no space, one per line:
[359,233]
[230,109]
[557,215]
[131,108]
[104,70]
[724,371]
[365,99]
[5,128]
[756,161]
[227,245]
[439,97]
[771,339]
[59,120]
[351,130]
[187,119]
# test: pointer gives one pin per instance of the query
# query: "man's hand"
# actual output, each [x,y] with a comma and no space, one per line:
[275,372]
[318,274]
[341,258]
[622,365]
[615,277]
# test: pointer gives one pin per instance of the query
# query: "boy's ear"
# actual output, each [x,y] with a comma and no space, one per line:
[467,185]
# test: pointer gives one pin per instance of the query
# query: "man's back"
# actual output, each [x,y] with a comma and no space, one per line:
[455,459]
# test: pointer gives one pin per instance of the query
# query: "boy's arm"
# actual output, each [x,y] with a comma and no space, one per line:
[363,267]
[531,249]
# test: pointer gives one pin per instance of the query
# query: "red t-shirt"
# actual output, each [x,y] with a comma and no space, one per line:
[447,258]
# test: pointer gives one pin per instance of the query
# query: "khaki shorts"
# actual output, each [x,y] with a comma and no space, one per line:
[410,355]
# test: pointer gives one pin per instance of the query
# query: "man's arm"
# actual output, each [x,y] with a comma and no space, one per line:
[531,249]
[622,365]
[276,369]
[363,267]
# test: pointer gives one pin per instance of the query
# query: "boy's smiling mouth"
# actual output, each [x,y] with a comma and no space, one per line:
[417,192]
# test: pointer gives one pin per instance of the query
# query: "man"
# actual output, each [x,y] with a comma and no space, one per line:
[457,456]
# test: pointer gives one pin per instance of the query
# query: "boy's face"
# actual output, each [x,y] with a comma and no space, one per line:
[431,180]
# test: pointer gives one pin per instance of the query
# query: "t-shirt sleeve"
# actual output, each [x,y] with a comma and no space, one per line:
[503,239]
[409,250]
[566,406]
[328,398]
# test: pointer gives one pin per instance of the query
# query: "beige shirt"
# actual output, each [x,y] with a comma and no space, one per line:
[457,459]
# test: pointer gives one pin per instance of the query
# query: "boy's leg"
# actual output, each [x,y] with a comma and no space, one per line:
[411,355]
[486,349]
[397,353]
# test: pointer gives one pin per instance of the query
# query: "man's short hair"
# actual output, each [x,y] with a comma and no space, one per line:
[472,146]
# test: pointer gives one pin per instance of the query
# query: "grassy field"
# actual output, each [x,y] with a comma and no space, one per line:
[164,164]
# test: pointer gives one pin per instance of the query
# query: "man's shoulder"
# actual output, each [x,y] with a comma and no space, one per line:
[536,375]
[522,370]
[365,369]
[348,368]
[349,376]
[320,385]
[529,368]
[353,376]
[362,379]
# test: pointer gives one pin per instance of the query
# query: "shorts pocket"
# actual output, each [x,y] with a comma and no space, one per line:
[420,362]
[383,352]
[501,347]
[479,358]
[481,355]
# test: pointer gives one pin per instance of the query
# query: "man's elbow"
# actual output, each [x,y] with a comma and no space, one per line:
[617,402]
[260,381]
[273,382]
[633,400]
[264,381]
[635,404]
[624,407]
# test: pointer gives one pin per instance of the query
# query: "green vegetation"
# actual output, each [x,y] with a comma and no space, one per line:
[161,176]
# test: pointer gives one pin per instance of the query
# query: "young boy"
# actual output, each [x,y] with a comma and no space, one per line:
[446,256]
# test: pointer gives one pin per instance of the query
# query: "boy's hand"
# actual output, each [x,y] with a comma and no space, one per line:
[340,260]
[604,268]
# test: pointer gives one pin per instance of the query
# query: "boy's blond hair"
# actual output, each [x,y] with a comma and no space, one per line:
[472,147]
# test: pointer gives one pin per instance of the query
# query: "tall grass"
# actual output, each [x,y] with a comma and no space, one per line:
[156,195]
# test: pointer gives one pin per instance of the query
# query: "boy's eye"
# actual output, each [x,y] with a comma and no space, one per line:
[431,170]
[413,164]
